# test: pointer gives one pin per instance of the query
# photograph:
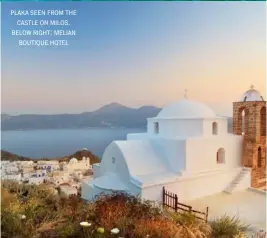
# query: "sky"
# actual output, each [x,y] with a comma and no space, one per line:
[136,53]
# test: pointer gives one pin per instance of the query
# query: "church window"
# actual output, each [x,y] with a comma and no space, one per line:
[259,157]
[214,128]
[113,160]
[156,127]
[221,156]
[245,99]
[244,120]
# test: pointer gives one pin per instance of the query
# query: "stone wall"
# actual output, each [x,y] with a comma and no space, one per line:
[258,178]
[263,121]
[248,152]
[254,138]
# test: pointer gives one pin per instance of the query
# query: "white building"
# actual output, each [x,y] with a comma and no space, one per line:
[10,167]
[187,149]
[67,190]
[36,180]
[75,165]
[78,174]
[58,178]
[11,176]
[26,164]
[50,165]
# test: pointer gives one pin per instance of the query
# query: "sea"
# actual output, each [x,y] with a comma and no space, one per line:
[53,143]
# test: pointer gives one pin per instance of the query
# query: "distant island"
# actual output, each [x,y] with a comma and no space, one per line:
[113,115]
[109,116]
[5,155]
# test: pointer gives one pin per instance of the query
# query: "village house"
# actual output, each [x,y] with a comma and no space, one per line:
[58,178]
[78,174]
[75,165]
[50,165]
[39,172]
[26,164]
[11,176]
[36,180]
[67,190]
[10,167]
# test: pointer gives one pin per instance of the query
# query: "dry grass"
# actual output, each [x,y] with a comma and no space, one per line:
[48,215]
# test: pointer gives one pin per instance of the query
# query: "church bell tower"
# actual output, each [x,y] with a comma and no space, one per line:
[249,120]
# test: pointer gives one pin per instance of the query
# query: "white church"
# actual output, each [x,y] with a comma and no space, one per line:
[187,149]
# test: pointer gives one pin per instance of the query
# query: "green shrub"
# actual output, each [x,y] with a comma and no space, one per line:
[228,227]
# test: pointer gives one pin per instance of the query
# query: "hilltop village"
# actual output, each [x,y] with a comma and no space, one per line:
[64,177]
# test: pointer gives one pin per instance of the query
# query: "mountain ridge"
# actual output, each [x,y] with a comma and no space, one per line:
[112,115]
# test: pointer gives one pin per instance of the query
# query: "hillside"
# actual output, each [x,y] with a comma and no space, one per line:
[111,115]
[5,155]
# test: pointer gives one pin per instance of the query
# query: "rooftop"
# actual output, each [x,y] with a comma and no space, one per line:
[109,181]
[186,109]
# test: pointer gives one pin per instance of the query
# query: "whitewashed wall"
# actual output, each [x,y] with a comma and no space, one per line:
[96,170]
[87,191]
[176,127]
[173,151]
[202,153]
[133,189]
[199,186]
[153,193]
[222,125]
[119,166]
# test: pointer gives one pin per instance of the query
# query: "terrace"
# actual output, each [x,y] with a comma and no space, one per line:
[248,205]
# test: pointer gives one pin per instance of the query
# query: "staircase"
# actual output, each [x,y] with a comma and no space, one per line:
[233,185]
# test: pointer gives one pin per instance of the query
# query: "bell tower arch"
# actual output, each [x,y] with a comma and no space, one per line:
[249,120]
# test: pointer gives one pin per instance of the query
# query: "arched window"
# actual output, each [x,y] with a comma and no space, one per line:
[156,127]
[263,121]
[259,157]
[243,122]
[221,156]
[214,128]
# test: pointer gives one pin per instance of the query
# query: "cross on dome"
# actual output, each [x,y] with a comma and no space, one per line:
[185,93]
[251,95]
